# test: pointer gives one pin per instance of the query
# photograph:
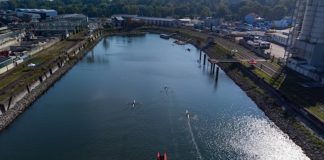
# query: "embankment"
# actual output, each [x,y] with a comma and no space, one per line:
[15,105]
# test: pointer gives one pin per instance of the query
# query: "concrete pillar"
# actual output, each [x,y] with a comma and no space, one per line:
[40,79]
[217,72]
[9,103]
[2,108]
[28,89]
[213,68]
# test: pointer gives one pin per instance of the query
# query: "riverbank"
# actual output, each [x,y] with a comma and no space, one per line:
[32,92]
[264,97]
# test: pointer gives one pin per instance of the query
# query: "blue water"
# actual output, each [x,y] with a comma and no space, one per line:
[89,114]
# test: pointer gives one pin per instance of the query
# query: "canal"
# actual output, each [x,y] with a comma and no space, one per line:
[90,113]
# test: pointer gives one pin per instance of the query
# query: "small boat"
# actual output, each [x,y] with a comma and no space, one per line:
[161,157]
[187,114]
[178,42]
[164,36]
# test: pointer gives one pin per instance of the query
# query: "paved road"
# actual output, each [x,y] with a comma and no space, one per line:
[277,50]
[244,53]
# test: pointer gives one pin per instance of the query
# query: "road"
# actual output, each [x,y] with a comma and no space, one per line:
[244,53]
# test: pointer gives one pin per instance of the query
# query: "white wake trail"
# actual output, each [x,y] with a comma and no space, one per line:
[193,138]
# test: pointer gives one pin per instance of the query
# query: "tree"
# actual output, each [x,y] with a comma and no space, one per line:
[205,11]
[222,10]
[278,12]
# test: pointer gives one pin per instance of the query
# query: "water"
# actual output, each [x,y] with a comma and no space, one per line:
[90,113]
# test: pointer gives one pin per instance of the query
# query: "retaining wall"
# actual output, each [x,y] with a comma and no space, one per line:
[14,105]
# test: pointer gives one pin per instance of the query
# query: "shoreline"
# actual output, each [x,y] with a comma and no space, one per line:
[48,81]
[264,98]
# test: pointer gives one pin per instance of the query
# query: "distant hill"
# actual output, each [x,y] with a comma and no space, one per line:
[230,9]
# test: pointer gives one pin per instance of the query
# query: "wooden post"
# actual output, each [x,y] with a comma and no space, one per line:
[200,55]
[211,68]
[217,72]
[2,108]
[9,103]
[205,59]
[28,89]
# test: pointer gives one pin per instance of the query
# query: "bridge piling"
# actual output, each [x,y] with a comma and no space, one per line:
[211,68]
[9,103]
[217,72]
[205,59]
[28,89]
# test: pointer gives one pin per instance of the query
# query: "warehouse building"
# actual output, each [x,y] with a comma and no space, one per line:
[43,13]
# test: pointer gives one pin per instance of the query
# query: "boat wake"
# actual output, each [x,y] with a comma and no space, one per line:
[192,136]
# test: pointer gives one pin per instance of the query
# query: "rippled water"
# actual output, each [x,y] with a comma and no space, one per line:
[89,113]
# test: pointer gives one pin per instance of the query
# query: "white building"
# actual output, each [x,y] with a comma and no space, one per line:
[279,38]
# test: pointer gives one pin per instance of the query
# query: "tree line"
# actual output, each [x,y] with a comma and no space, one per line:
[229,9]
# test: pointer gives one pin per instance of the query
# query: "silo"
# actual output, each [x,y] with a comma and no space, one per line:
[317,34]
[308,20]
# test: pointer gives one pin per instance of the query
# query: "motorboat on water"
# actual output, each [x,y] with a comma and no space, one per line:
[164,36]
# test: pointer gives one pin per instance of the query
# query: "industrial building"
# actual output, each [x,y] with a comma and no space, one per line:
[43,13]
[279,38]
[157,21]
[305,52]
[62,24]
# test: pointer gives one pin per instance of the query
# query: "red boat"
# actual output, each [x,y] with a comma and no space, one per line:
[161,157]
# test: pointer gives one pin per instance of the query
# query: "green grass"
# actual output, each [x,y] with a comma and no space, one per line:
[23,75]
[313,138]
[317,111]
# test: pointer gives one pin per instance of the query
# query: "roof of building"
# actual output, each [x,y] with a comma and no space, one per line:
[4,59]
[279,34]
[75,15]
[125,15]
[35,10]
[156,18]
[119,18]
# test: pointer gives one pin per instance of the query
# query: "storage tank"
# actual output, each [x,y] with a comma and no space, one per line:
[317,34]
[312,28]
[308,21]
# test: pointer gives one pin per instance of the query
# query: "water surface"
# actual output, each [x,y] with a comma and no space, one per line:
[89,113]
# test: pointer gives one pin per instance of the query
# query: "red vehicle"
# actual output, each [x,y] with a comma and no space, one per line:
[253,61]
[161,157]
